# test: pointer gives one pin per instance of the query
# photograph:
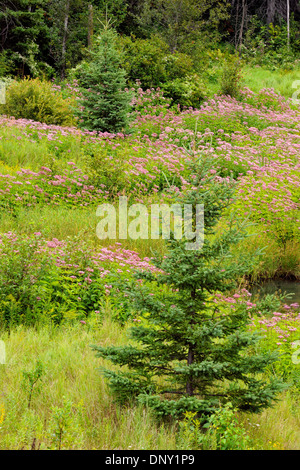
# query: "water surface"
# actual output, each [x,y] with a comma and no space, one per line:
[280,285]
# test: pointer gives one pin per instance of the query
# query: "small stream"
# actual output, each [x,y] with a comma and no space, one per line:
[282,285]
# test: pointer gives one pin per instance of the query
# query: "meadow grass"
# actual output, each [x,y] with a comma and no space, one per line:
[281,80]
[63,223]
[72,386]
[258,77]
[276,428]
[271,259]
[70,375]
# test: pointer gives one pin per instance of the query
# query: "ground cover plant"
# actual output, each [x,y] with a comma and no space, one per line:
[62,286]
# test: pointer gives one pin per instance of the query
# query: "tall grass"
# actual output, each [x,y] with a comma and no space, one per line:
[281,80]
[29,148]
[70,375]
[276,428]
[62,223]
[71,378]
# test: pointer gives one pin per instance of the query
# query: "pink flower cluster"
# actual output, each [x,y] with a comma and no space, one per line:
[284,326]
[71,255]
[30,188]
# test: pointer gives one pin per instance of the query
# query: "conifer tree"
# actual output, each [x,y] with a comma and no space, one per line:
[186,354]
[105,103]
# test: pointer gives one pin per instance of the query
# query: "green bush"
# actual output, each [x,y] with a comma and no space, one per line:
[178,65]
[20,273]
[189,91]
[231,80]
[150,62]
[6,64]
[143,59]
[36,99]
[266,45]
[223,431]
[106,171]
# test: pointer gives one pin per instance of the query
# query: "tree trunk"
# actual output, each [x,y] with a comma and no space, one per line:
[240,39]
[288,22]
[191,356]
[271,9]
[189,384]
[64,41]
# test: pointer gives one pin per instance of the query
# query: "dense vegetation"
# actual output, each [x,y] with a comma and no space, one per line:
[162,40]
[160,101]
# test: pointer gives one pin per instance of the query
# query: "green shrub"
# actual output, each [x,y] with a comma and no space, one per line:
[6,63]
[36,99]
[178,65]
[189,91]
[144,60]
[231,80]
[150,62]
[106,171]
[223,431]
[20,273]
[266,44]
[79,72]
